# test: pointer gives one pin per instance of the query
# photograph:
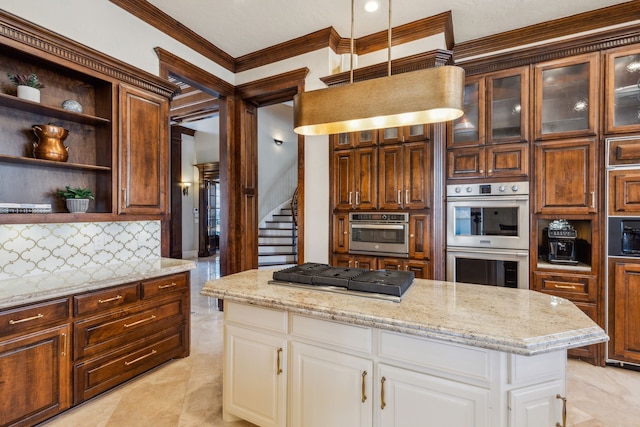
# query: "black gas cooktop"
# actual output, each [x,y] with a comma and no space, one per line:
[381,284]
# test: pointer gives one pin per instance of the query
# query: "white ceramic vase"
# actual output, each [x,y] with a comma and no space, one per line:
[29,93]
[77,205]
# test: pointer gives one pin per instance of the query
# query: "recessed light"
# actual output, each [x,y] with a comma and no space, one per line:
[371,6]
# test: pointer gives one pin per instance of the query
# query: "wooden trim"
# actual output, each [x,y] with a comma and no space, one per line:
[551,51]
[27,37]
[398,66]
[588,21]
[298,46]
[153,16]
[274,89]
[406,33]
[195,76]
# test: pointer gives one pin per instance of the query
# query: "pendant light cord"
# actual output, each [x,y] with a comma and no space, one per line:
[351,64]
[389,37]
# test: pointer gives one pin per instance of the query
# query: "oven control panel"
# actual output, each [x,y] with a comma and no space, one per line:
[489,189]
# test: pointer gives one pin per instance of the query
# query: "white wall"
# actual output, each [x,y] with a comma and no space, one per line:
[189,202]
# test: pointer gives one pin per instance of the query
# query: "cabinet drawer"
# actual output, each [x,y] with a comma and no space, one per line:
[96,302]
[455,361]
[625,151]
[33,316]
[114,330]
[100,374]
[164,285]
[353,337]
[574,287]
[265,318]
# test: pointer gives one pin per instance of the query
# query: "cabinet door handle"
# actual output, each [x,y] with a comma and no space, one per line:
[128,325]
[64,344]
[382,402]
[26,319]
[481,171]
[140,358]
[565,286]
[168,286]
[564,411]
[349,199]
[117,297]
[593,199]
[349,263]
[399,197]
[357,198]
[124,196]
[278,367]
[364,395]
[355,263]
[406,197]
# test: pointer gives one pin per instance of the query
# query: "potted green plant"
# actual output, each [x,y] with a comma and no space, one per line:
[28,86]
[77,199]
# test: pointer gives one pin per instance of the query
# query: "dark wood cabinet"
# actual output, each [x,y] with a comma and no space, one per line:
[507,106]
[469,130]
[624,310]
[355,183]
[403,134]
[143,152]
[340,233]
[624,192]
[405,180]
[566,97]
[419,236]
[622,91]
[566,177]
[345,141]
[421,269]
[493,161]
[355,261]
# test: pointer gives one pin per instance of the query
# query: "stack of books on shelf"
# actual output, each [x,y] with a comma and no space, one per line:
[7,208]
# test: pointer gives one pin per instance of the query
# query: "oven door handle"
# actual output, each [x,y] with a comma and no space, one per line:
[380,226]
[488,199]
[516,253]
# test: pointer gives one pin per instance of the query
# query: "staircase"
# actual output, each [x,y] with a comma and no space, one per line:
[277,240]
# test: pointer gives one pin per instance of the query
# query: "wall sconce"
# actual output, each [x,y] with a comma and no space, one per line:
[277,141]
[185,188]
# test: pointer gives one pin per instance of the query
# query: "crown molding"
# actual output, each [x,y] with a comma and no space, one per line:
[537,33]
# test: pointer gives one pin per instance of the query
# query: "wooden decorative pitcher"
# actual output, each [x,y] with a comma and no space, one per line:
[50,143]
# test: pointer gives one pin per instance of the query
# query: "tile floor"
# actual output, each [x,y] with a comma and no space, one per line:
[187,392]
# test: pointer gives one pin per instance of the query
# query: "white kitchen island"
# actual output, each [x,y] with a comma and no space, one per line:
[449,354]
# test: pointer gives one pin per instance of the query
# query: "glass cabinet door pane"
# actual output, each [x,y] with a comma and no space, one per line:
[565,98]
[506,106]
[626,90]
[344,139]
[391,133]
[365,136]
[465,129]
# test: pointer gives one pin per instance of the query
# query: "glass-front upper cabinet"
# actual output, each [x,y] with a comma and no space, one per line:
[508,106]
[365,138]
[623,90]
[468,130]
[566,101]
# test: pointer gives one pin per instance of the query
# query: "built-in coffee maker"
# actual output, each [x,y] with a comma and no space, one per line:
[561,237]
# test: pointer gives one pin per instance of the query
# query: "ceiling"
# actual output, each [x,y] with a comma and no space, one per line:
[240,27]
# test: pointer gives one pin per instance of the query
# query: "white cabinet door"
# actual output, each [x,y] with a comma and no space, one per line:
[255,376]
[329,388]
[537,405]
[407,399]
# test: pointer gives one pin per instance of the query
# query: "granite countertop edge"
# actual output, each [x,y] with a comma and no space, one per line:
[527,347]
[37,288]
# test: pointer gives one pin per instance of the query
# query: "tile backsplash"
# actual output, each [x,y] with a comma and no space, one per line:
[31,249]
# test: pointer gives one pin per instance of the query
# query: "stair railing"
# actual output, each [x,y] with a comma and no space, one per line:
[294,214]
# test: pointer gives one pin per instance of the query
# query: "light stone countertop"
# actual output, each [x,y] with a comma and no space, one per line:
[511,320]
[31,289]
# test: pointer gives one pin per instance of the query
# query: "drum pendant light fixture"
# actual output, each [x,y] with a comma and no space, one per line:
[425,96]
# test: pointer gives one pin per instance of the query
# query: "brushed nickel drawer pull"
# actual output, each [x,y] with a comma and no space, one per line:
[128,325]
[117,297]
[168,286]
[140,358]
[26,319]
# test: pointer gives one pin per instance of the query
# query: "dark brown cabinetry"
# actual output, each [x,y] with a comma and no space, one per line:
[490,139]
[403,134]
[404,181]
[345,141]
[355,183]
[624,309]
[566,176]
[117,145]
[355,261]
[622,92]
[59,353]
[35,362]
[421,269]
[566,97]
[143,165]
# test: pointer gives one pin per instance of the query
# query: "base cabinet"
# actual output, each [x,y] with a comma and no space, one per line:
[345,375]
[407,396]
[35,381]
[330,388]
[624,309]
